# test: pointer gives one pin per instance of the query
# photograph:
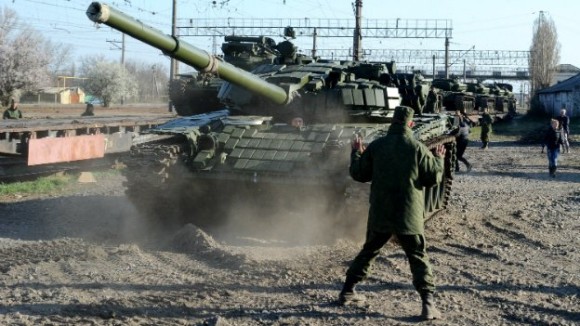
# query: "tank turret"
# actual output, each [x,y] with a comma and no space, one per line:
[196,93]
[247,52]
[325,92]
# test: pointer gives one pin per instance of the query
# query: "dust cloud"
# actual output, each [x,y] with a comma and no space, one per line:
[293,215]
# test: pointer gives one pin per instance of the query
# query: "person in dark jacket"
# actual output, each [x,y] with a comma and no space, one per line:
[553,141]
[462,140]
[564,121]
[89,110]
[399,167]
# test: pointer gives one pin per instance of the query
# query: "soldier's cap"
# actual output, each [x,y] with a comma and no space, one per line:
[403,115]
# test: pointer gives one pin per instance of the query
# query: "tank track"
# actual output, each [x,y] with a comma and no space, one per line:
[437,197]
[147,184]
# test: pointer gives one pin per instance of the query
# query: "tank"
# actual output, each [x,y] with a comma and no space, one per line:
[413,89]
[505,99]
[471,98]
[196,93]
[455,95]
[281,148]
[483,96]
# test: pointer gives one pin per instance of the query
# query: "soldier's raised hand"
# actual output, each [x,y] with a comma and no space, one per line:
[357,144]
[439,151]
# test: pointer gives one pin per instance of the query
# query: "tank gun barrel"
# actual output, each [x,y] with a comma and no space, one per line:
[199,59]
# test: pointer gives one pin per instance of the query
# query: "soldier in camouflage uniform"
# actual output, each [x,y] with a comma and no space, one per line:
[12,112]
[486,122]
[399,167]
[431,106]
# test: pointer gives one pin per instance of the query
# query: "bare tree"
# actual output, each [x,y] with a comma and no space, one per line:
[61,62]
[24,58]
[544,53]
[108,80]
[152,80]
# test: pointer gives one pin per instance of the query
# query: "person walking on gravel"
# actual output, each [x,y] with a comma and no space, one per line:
[564,121]
[485,122]
[399,167]
[462,139]
[553,140]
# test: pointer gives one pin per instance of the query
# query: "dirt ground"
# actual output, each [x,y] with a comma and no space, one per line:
[505,252]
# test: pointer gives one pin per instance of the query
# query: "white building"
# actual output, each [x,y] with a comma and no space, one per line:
[563,72]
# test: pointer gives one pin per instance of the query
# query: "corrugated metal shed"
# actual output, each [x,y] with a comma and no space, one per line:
[563,86]
[563,95]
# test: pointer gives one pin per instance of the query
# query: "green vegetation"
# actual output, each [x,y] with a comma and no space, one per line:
[525,128]
[55,184]
[44,185]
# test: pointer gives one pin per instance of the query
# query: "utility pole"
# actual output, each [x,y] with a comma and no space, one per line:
[121,47]
[446,57]
[433,66]
[173,69]
[314,34]
[123,50]
[356,49]
[123,61]
[214,45]
[154,73]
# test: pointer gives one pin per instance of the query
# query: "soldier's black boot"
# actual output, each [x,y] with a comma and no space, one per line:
[552,171]
[348,294]
[429,311]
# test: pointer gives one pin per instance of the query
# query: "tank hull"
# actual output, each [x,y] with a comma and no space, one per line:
[265,172]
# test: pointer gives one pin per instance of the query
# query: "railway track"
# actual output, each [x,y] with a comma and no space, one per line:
[14,169]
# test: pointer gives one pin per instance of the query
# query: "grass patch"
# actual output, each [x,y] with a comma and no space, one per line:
[106,173]
[520,125]
[40,186]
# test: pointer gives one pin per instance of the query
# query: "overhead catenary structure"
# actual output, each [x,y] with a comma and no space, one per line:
[324,28]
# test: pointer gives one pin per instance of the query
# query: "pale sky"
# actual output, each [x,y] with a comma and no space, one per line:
[482,25]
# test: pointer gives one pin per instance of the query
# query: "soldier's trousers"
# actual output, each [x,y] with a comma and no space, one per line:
[485,136]
[415,249]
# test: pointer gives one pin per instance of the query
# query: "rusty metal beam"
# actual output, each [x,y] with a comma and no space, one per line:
[65,149]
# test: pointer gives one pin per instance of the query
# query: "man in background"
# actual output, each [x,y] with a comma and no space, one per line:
[486,122]
[564,121]
[12,112]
